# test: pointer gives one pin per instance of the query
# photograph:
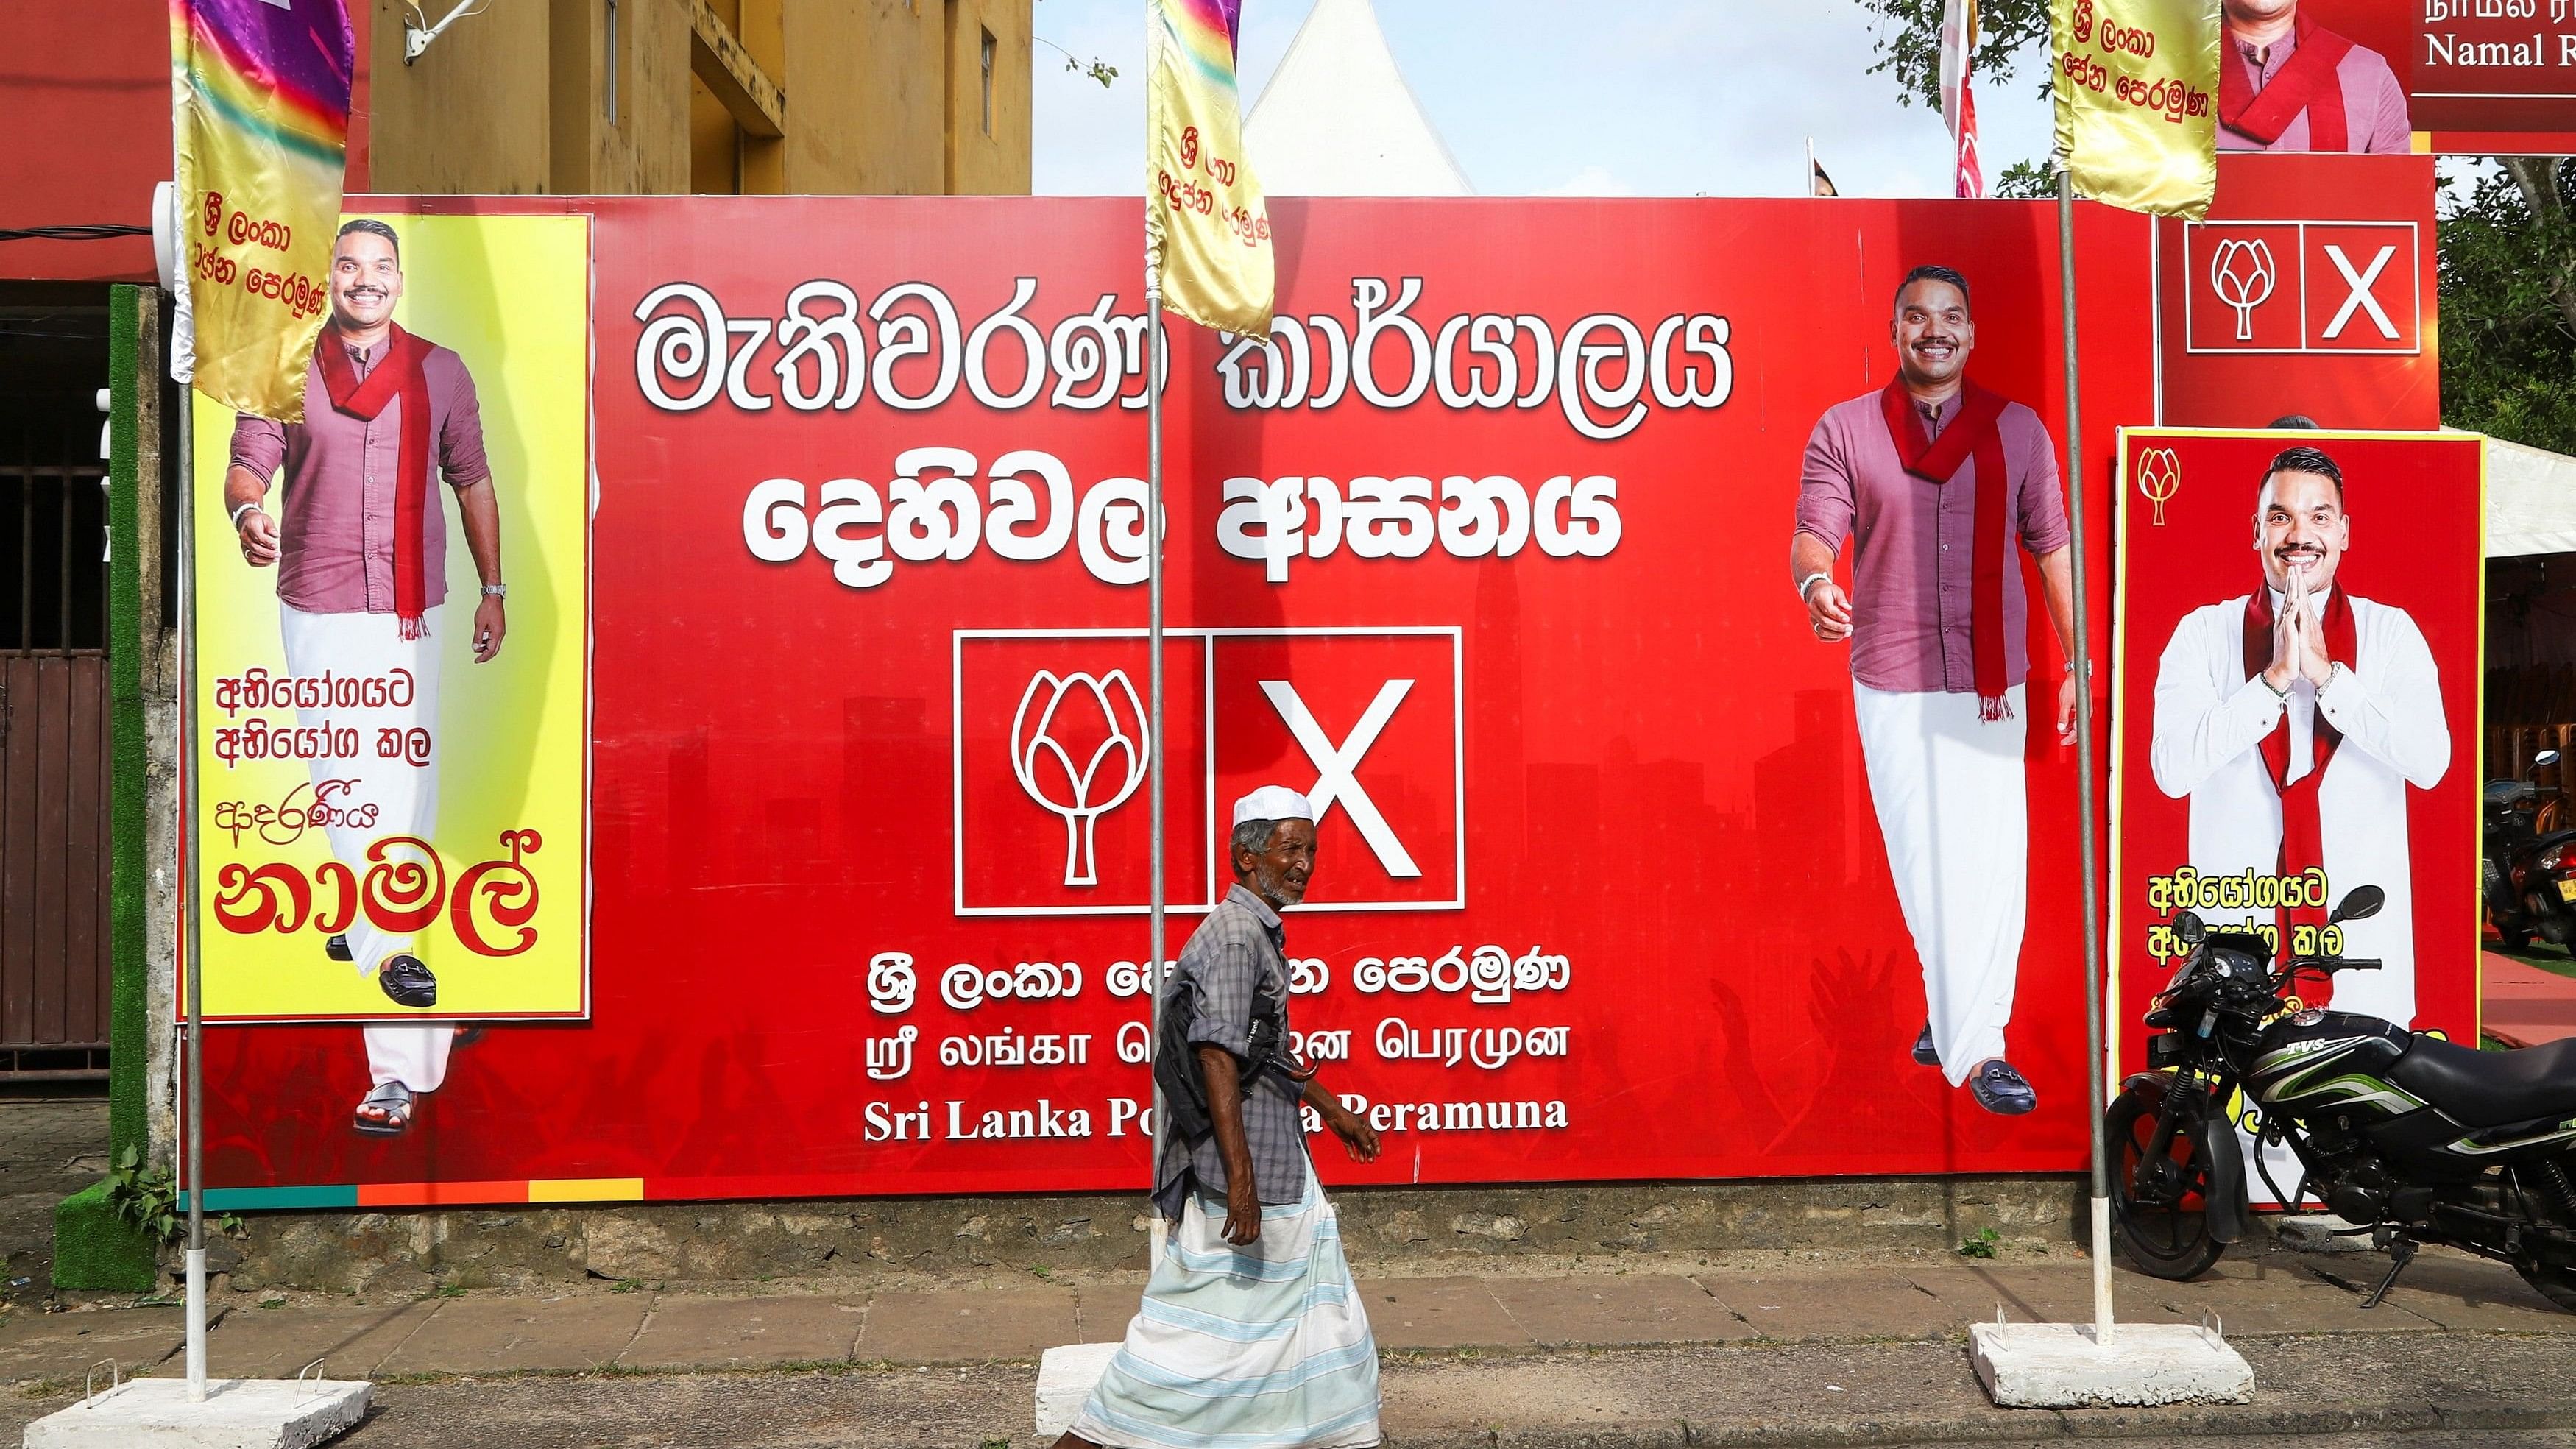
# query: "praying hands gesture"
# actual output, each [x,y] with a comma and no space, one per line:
[2298,638]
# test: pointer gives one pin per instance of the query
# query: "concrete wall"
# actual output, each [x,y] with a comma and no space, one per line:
[1476,1228]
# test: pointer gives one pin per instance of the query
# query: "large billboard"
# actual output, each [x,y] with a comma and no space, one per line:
[1623,874]
[2482,77]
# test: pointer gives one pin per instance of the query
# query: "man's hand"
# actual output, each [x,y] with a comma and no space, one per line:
[2314,659]
[258,538]
[2289,649]
[1829,611]
[2068,695]
[1242,1212]
[490,623]
[1359,1139]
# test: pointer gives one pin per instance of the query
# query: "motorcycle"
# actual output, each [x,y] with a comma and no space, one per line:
[2526,876]
[2411,1138]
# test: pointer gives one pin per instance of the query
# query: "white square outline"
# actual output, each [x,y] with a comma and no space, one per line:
[1207,656]
[2415,281]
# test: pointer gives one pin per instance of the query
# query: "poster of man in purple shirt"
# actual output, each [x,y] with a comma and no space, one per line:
[359,542]
[2287,83]
[1931,480]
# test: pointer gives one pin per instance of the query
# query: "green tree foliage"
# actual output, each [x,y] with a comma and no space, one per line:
[2508,270]
[1910,48]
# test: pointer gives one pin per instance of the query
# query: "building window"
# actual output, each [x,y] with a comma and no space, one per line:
[988,82]
[609,90]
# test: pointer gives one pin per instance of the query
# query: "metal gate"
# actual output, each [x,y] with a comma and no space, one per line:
[55,761]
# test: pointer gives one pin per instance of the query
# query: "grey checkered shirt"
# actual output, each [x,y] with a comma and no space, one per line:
[1236,961]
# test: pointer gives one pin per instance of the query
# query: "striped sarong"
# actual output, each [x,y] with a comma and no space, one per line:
[1258,1347]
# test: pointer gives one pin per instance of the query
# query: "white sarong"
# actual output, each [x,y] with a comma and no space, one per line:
[1953,807]
[1259,1347]
[404,795]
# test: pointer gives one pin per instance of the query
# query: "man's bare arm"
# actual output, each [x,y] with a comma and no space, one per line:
[1358,1138]
[258,531]
[1828,607]
[481,510]
[1223,1078]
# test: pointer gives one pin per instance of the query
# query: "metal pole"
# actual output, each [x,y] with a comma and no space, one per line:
[193,1110]
[2097,1082]
[1154,669]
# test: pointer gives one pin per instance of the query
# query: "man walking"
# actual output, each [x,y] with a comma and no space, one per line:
[2294,717]
[360,546]
[1932,477]
[1250,1335]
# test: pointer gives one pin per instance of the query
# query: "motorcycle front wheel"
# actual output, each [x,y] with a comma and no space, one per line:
[2164,1225]
[2558,1285]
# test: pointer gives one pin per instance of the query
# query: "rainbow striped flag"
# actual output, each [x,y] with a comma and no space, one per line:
[1206,224]
[260,97]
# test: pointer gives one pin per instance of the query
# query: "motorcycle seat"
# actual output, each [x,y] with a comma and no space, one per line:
[2490,1089]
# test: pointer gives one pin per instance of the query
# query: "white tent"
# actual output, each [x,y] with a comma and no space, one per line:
[2531,500]
[1337,118]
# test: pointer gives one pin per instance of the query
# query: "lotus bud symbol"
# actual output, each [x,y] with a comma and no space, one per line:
[2242,274]
[1099,720]
[2159,477]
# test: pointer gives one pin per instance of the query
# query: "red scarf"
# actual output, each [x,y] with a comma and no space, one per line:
[2308,82]
[399,375]
[1972,434]
[2302,833]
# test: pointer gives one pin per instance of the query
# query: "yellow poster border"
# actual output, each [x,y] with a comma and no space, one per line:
[2120,653]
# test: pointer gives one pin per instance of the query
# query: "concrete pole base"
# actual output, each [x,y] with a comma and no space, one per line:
[2062,1366]
[1066,1376]
[236,1414]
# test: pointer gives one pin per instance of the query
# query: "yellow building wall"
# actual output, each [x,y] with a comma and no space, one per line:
[882,97]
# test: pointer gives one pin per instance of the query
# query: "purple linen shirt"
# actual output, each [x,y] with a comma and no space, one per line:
[2374,104]
[336,527]
[1914,543]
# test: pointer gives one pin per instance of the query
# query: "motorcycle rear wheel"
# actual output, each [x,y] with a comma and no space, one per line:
[2168,1240]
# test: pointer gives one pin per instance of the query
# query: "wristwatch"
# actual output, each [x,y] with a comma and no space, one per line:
[496,591]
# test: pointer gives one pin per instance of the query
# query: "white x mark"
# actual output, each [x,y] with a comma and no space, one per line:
[2361,298]
[1336,781]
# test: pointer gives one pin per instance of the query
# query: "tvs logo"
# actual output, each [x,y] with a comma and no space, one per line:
[1050,756]
[2159,478]
[2303,287]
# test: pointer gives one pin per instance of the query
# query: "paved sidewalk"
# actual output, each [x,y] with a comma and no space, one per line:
[2268,1292]
[2526,1005]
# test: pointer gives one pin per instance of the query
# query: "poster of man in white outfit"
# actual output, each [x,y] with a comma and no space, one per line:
[2294,717]
[358,539]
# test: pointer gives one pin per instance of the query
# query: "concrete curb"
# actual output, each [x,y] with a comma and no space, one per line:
[2024,1427]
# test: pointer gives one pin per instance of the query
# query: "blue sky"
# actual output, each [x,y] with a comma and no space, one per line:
[1555,97]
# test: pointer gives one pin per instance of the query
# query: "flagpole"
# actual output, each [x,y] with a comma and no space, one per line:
[194,1108]
[1154,668]
[2097,1082]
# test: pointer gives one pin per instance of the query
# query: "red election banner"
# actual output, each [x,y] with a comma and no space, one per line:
[2391,524]
[1486,551]
[2308,289]
[2475,77]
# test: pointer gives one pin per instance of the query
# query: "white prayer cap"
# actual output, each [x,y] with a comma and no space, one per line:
[1273,802]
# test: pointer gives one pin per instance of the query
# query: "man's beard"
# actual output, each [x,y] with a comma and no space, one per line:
[1277,888]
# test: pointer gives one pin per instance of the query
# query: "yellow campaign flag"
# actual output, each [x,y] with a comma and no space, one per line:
[1205,220]
[260,92]
[2137,101]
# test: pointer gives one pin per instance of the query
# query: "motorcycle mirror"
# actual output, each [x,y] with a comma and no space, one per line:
[2362,904]
[2188,929]
[2544,759]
